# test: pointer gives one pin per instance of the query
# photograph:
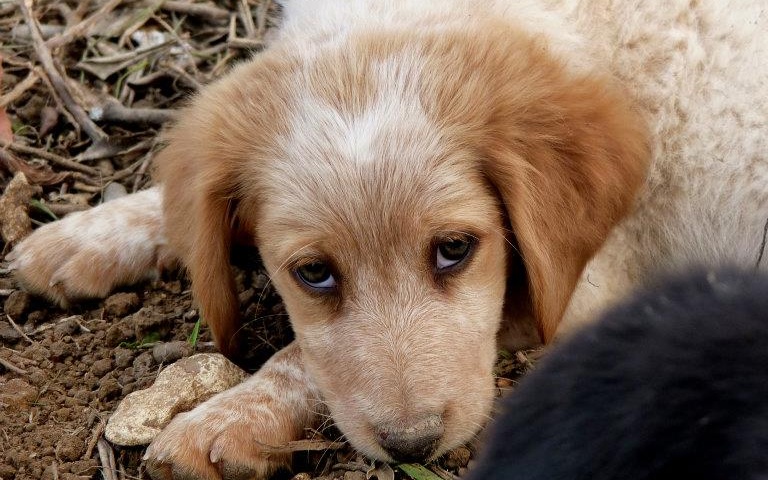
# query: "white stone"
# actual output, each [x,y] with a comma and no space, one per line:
[180,387]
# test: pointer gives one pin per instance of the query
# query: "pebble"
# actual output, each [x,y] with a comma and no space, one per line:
[178,388]
[123,357]
[114,191]
[168,352]
[8,334]
[67,327]
[17,304]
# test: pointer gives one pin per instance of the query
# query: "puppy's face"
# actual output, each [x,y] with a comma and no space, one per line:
[388,250]
[377,176]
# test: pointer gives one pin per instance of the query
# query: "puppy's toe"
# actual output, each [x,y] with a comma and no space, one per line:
[218,441]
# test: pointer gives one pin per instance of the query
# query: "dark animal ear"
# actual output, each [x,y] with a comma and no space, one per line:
[567,166]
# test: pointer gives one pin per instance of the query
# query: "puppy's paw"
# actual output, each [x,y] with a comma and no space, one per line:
[222,439]
[87,254]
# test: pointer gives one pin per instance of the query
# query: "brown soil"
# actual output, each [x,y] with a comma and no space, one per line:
[63,371]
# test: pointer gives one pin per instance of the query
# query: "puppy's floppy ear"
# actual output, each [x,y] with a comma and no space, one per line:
[210,164]
[567,156]
[197,208]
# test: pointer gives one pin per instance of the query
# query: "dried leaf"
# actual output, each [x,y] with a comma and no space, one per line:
[49,117]
[14,219]
[381,472]
[37,176]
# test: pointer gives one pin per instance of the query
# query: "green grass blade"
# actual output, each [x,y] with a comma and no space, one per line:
[418,472]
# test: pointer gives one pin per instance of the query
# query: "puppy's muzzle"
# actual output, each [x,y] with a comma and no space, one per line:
[414,442]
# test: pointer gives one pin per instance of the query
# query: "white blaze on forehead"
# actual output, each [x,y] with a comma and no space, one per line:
[395,116]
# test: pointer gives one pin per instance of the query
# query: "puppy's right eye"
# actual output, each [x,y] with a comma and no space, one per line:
[316,275]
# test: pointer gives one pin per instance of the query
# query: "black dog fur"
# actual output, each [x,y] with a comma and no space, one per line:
[671,385]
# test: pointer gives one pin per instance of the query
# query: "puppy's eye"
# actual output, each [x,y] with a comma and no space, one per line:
[316,275]
[452,251]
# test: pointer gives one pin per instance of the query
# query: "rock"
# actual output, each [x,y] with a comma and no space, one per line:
[8,334]
[68,326]
[180,387]
[121,304]
[114,191]
[17,304]
[123,357]
[168,352]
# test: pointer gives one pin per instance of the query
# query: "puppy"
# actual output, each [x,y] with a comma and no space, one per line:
[420,176]
[669,385]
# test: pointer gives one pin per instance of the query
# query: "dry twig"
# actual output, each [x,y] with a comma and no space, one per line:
[10,366]
[18,329]
[51,157]
[107,457]
[76,31]
[59,84]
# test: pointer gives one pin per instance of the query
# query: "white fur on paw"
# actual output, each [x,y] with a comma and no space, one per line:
[87,254]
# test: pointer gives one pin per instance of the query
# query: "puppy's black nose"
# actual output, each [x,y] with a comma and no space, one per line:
[413,442]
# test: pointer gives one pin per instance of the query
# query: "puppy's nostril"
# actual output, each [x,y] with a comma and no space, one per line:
[413,442]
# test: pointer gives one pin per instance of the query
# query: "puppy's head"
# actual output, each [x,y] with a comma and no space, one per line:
[384,180]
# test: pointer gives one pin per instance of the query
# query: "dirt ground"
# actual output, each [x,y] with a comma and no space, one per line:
[85,89]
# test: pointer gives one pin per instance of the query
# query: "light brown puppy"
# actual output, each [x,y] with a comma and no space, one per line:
[417,177]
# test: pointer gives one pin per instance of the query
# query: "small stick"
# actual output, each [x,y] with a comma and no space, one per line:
[116,111]
[18,329]
[197,9]
[61,87]
[8,365]
[247,18]
[107,457]
[51,157]
[18,90]
[95,436]
[77,30]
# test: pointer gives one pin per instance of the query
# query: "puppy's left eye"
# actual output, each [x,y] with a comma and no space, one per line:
[316,275]
[452,251]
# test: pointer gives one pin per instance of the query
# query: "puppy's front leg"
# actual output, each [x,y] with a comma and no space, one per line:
[87,254]
[221,438]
